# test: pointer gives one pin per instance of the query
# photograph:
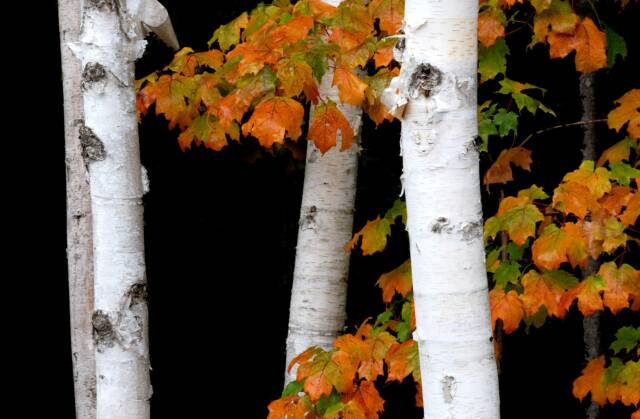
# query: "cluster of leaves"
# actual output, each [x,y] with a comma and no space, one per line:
[268,63]
[340,383]
[620,381]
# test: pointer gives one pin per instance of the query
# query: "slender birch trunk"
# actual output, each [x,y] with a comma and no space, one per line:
[441,180]
[111,39]
[590,324]
[319,292]
[79,240]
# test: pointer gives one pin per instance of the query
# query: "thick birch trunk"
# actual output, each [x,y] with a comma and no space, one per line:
[441,180]
[79,241]
[319,292]
[111,40]
[590,324]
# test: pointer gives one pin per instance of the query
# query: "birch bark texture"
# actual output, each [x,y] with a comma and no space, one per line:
[317,309]
[79,237]
[442,185]
[111,39]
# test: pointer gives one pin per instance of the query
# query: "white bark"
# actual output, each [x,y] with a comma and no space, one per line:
[319,291]
[111,40]
[79,240]
[441,181]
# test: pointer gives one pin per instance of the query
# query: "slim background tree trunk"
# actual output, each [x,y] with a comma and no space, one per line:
[319,291]
[441,180]
[79,241]
[590,324]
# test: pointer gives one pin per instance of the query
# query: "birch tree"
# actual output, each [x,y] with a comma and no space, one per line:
[319,291]
[79,239]
[111,39]
[437,87]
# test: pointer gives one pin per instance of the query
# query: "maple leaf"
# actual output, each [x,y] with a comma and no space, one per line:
[517,216]
[630,215]
[204,129]
[591,380]
[272,118]
[492,60]
[574,198]
[490,27]
[627,338]
[523,101]
[296,76]
[326,120]
[617,199]
[377,346]
[402,360]
[353,16]
[234,105]
[398,280]
[507,307]
[350,87]
[186,61]
[169,93]
[616,153]
[229,34]
[390,13]
[546,289]
[589,43]
[557,18]
[322,10]
[366,401]
[588,293]
[291,32]
[375,87]
[500,170]
[558,245]
[622,284]
[292,407]
[628,111]
[384,52]
[374,236]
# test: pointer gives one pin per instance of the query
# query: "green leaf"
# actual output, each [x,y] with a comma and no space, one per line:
[622,173]
[616,46]
[229,34]
[627,338]
[326,404]
[399,209]
[293,388]
[493,60]
[612,371]
[507,272]
[506,121]
[515,252]
[523,101]
[561,278]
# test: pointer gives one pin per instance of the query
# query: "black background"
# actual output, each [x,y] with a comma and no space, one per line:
[221,232]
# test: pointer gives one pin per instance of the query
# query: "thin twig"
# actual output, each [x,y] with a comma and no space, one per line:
[571,124]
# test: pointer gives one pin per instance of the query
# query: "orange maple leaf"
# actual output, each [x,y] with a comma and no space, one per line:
[296,76]
[326,120]
[622,284]
[618,152]
[322,371]
[374,236]
[558,245]
[365,401]
[540,289]
[617,199]
[273,118]
[628,111]
[507,307]
[292,407]
[500,170]
[403,360]
[591,381]
[588,292]
[589,43]
[398,280]
[490,28]
[350,87]
[390,13]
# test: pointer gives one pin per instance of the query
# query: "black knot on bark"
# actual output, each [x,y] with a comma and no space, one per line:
[424,79]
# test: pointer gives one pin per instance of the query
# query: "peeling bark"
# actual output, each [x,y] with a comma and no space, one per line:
[79,236]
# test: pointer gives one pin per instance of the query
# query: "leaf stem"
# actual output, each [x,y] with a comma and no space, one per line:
[571,124]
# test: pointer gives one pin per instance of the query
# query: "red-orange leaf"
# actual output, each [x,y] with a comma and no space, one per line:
[617,199]
[322,371]
[616,153]
[272,118]
[296,76]
[490,28]
[350,87]
[541,289]
[506,307]
[628,111]
[591,381]
[588,293]
[403,360]
[500,170]
[292,407]
[169,94]
[630,215]
[326,120]
[204,129]
[398,280]
[390,13]
[367,399]
[588,42]
[622,284]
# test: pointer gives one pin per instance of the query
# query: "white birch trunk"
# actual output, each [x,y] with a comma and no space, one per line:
[319,291]
[442,185]
[79,239]
[111,40]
